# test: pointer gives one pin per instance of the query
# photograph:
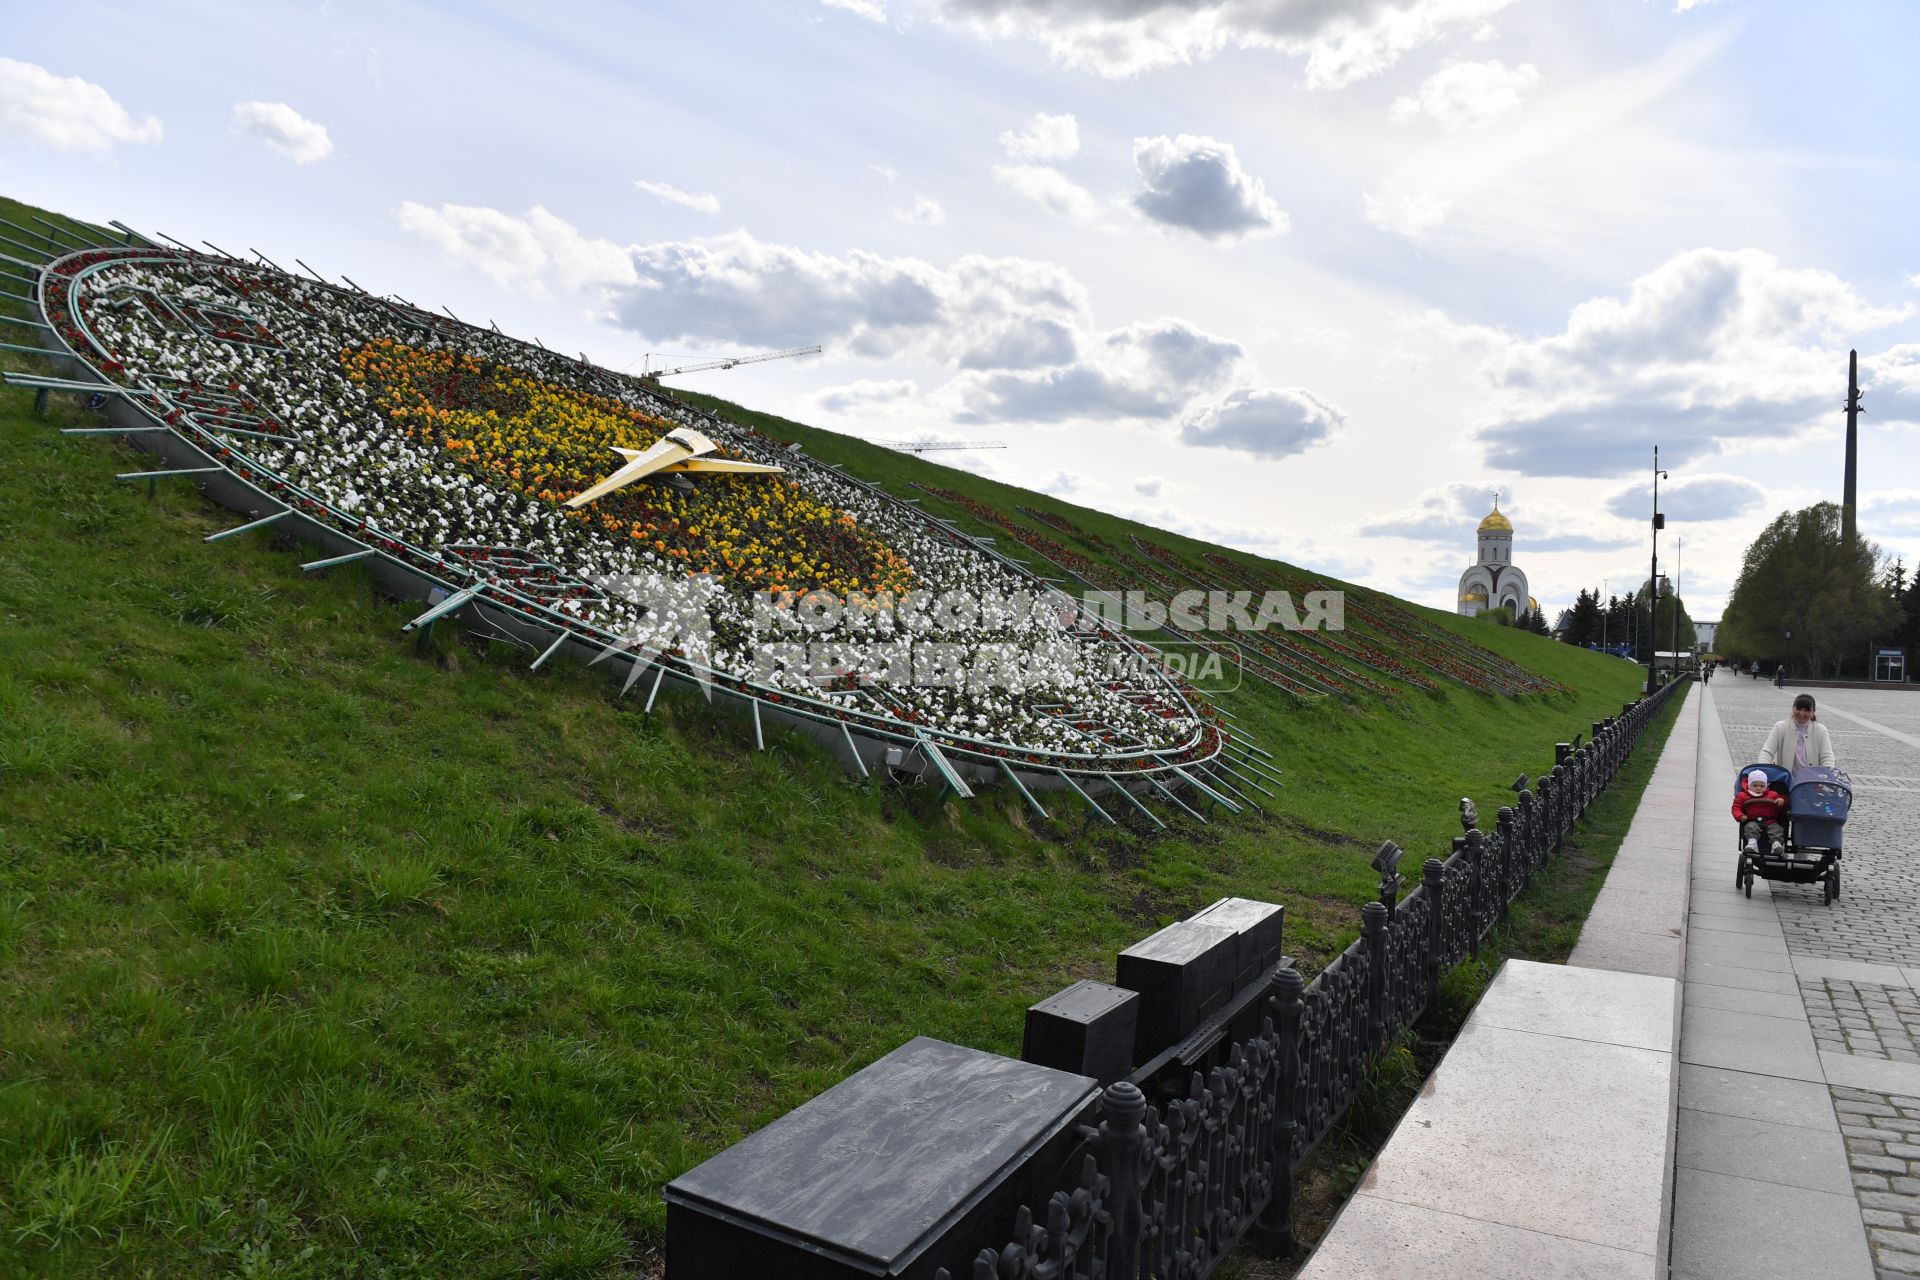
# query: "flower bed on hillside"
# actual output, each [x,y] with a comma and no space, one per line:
[453,449]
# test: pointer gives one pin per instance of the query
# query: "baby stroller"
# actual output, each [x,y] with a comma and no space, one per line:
[1817,804]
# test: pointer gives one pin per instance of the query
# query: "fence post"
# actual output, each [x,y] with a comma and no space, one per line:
[1124,1140]
[1373,927]
[1510,855]
[1476,895]
[1533,813]
[1433,874]
[1274,1228]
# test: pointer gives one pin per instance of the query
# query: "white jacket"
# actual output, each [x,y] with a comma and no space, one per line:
[1780,744]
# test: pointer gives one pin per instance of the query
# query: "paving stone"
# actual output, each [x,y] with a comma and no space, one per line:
[1803,1103]
[1478,1149]
[1774,1004]
[1889,1200]
[1727,1228]
[1748,1042]
[1392,1241]
[1768,1152]
[1727,974]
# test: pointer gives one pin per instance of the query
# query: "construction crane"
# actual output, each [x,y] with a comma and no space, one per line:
[725,362]
[927,446]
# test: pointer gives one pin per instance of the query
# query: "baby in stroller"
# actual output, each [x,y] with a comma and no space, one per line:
[1758,806]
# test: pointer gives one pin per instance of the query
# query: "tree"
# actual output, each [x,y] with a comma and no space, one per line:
[1903,598]
[1583,627]
[1808,596]
[1537,623]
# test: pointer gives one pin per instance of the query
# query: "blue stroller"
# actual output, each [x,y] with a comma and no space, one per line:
[1817,804]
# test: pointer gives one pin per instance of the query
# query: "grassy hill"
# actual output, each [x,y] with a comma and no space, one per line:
[321,954]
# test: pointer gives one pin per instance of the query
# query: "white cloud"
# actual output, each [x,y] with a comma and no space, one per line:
[863,395]
[1274,422]
[1197,184]
[1712,347]
[517,251]
[1412,216]
[1893,378]
[1152,486]
[1467,95]
[1050,188]
[699,201]
[1690,499]
[301,140]
[1894,510]
[1149,371]
[978,313]
[871,10]
[1449,515]
[1045,138]
[925,211]
[65,112]
[1062,484]
[1341,42]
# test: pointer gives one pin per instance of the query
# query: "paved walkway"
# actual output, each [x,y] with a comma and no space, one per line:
[1789,1146]
[1798,1138]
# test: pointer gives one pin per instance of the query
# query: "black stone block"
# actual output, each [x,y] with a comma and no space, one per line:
[1087,1029]
[1183,973]
[1257,927]
[900,1169]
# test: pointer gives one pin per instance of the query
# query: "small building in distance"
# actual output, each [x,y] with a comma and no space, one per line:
[1493,581]
[1704,632]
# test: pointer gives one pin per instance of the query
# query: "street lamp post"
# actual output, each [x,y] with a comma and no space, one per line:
[1674,629]
[1653,575]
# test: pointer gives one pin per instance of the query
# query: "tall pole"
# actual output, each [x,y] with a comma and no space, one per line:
[1653,574]
[1849,495]
[1673,628]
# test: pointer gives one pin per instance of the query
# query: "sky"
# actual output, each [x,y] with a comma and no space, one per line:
[1312,278]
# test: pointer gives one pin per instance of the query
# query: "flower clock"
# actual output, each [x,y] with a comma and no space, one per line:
[545,500]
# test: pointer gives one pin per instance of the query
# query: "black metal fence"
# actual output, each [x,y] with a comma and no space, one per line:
[1165,1192]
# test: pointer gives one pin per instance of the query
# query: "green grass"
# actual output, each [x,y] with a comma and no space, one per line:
[320,956]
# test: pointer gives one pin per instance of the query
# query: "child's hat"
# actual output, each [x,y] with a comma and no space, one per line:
[1758,778]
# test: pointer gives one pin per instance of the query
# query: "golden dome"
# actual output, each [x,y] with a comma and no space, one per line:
[1481,596]
[1495,522]
[1533,602]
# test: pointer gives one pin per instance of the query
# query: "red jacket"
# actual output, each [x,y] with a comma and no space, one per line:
[1770,804]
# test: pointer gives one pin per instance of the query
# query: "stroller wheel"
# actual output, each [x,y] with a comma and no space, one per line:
[1833,884]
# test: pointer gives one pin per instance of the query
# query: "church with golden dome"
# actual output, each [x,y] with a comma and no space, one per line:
[1493,581]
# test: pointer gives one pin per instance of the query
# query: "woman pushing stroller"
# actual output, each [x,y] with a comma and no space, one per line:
[1792,806]
[1800,740]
